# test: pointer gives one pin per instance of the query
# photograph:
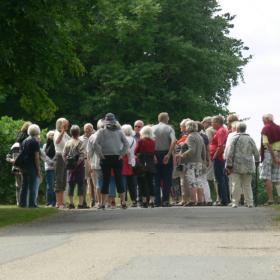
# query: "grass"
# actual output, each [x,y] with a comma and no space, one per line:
[11,215]
[277,219]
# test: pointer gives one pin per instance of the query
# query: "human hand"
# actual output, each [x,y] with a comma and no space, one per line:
[166,159]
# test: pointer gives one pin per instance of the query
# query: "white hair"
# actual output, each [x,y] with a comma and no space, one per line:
[147,132]
[59,123]
[127,129]
[100,124]
[34,130]
[234,125]
[268,117]
[139,121]
[49,133]
[191,126]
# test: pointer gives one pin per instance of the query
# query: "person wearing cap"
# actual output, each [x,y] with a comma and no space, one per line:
[111,145]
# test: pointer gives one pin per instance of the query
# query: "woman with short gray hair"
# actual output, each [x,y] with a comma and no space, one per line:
[193,158]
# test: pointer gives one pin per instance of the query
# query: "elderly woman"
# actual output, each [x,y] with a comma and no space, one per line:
[60,138]
[31,169]
[111,145]
[180,168]
[194,158]
[129,163]
[74,154]
[49,153]
[145,152]
[240,162]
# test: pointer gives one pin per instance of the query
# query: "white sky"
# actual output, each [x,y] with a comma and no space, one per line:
[257,24]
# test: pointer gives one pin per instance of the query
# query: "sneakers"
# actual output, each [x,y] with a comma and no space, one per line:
[234,205]
[71,206]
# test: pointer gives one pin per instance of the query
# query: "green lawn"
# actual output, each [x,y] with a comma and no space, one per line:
[11,215]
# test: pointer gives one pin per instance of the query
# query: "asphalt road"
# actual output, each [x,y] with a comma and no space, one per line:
[160,243]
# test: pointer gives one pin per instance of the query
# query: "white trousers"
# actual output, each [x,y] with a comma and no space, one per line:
[241,183]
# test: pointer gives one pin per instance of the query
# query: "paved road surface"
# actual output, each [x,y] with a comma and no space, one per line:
[161,243]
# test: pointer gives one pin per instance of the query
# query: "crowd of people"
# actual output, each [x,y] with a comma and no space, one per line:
[211,163]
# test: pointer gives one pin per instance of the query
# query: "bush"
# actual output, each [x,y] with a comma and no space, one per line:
[8,132]
[9,129]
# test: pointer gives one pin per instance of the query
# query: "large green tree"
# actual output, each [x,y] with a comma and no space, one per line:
[140,57]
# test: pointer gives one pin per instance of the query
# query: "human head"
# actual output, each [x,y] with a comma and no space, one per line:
[110,119]
[268,118]
[217,121]
[100,124]
[163,117]
[147,132]
[230,119]
[199,126]
[88,129]
[183,124]
[75,131]
[25,126]
[138,125]
[34,130]
[127,129]
[191,126]
[241,127]
[50,134]
[234,126]
[207,122]
[62,122]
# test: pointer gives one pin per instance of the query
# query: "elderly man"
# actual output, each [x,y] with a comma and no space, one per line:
[31,169]
[137,127]
[165,143]
[216,153]
[88,131]
[240,159]
[270,155]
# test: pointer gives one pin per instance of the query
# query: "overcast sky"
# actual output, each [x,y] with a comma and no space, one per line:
[257,23]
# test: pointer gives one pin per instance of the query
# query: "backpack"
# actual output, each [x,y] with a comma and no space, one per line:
[21,160]
[72,158]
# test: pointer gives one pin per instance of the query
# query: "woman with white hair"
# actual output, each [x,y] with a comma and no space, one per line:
[31,167]
[145,152]
[194,158]
[60,138]
[129,163]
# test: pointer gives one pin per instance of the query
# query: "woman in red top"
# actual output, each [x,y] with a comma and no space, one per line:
[145,152]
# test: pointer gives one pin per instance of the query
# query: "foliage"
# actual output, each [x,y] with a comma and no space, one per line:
[36,48]
[8,132]
[133,57]
[11,215]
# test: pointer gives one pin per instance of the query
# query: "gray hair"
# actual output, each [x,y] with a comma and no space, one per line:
[33,130]
[147,132]
[241,127]
[207,120]
[184,122]
[100,124]
[59,123]
[127,129]
[75,130]
[49,133]
[139,121]
[268,117]
[191,126]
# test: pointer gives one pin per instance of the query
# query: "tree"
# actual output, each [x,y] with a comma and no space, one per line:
[36,47]
[147,56]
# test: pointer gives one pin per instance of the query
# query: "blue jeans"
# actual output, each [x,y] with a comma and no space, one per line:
[223,190]
[112,187]
[163,175]
[28,188]
[50,194]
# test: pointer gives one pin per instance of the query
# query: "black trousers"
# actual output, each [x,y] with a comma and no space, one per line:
[108,164]
[146,184]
